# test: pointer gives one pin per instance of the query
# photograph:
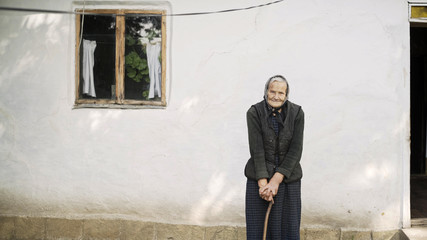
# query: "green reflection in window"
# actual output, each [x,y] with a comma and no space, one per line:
[419,12]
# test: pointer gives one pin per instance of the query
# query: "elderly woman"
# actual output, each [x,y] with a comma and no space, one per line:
[275,129]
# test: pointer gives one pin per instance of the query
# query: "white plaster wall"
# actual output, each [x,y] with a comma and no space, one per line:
[348,66]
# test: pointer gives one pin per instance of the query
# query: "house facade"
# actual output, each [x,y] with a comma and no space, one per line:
[181,161]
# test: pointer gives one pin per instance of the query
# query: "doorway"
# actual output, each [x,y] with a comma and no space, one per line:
[418,36]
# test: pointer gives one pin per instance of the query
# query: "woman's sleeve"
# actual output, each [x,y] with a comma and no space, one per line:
[256,144]
[295,149]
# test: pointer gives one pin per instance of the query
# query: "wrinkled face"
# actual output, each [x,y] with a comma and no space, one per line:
[276,94]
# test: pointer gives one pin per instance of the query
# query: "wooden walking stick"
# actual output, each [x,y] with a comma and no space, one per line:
[267,214]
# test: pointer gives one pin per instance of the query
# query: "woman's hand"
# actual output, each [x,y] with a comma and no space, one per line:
[268,191]
[263,193]
[262,182]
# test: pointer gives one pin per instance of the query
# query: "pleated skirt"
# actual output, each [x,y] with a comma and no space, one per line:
[285,215]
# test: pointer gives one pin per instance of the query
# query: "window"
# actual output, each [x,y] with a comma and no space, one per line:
[120,58]
[418,12]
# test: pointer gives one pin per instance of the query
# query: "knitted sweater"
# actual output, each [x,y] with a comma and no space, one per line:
[265,145]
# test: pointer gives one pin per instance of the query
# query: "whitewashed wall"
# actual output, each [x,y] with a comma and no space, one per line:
[348,66]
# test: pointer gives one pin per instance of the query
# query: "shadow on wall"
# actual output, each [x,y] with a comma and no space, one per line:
[26,43]
[219,195]
[364,191]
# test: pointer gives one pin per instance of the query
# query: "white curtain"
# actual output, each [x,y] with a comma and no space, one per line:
[88,62]
[154,69]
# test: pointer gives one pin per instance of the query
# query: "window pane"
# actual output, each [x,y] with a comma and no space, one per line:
[418,12]
[97,57]
[143,70]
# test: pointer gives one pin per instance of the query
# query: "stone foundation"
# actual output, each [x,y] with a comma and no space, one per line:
[55,228]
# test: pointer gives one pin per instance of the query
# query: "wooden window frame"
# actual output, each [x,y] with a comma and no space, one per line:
[120,61]
[413,18]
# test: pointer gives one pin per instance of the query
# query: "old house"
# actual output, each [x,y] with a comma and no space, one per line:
[127,118]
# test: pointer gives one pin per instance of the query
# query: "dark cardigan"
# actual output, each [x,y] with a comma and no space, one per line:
[264,144]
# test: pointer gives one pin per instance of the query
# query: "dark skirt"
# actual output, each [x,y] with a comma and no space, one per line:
[285,215]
